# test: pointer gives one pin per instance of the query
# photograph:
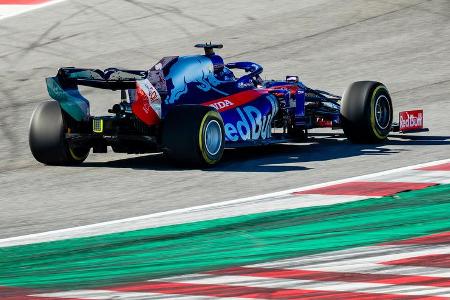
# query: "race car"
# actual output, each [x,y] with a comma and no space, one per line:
[193,107]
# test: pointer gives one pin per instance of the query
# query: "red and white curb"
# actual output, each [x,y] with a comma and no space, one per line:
[413,269]
[11,8]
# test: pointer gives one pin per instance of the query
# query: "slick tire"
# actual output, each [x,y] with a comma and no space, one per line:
[366,112]
[193,135]
[47,137]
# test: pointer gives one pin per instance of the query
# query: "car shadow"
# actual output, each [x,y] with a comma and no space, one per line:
[280,157]
[234,160]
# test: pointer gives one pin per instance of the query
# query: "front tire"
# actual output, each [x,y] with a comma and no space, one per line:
[47,137]
[194,135]
[366,112]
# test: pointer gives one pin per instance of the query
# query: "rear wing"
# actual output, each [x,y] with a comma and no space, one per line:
[112,78]
[64,86]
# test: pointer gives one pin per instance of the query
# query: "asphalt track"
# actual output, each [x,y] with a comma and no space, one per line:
[405,44]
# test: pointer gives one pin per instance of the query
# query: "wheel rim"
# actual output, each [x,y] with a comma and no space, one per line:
[213,137]
[78,154]
[382,112]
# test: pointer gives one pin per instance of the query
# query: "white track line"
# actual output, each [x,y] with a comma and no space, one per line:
[8,11]
[224,209]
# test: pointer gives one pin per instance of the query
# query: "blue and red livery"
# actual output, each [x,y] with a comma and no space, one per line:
[192,107]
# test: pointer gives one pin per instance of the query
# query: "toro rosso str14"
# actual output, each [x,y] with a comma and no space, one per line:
[192,107]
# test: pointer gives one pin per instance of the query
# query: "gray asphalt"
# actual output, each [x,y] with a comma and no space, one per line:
[403,43]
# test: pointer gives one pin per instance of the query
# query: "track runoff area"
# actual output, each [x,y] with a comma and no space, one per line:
[379,236]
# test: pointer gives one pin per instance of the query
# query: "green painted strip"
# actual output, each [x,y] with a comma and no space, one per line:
[195,247]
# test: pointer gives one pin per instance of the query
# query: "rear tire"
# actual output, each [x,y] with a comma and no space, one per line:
[366,112]
[47,140]
[194,135]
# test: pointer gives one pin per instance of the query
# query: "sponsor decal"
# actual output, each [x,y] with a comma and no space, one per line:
[221,104]
[411,120]
[238,99]
[321,122]
[147,106]
[252,124]
[248,84]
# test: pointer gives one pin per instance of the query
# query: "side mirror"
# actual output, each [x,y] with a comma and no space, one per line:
[292,79]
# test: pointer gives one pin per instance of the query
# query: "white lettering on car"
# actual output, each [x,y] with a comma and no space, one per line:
[152,98]
[231,132]
[222,104]
[252,124]
[411,121]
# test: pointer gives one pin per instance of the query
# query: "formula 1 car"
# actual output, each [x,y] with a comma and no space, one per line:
[192,107]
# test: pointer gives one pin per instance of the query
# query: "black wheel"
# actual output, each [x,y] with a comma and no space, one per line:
[47,137]
[194,135]
[366,112]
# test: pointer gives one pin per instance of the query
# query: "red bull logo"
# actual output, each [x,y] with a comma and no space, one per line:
[411,120]
[251,124]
